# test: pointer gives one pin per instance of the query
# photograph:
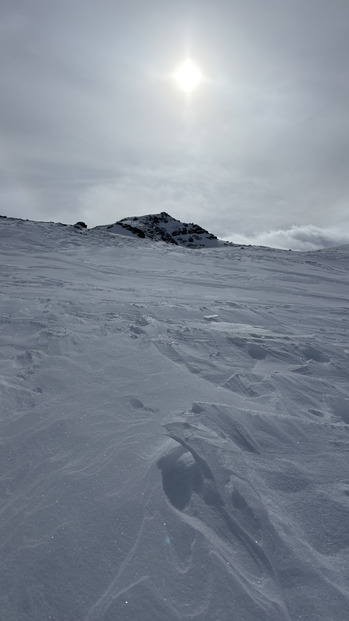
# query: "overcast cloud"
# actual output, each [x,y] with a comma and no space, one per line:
[297,238]
[94,128]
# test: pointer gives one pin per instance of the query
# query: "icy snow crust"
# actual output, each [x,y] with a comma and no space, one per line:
[174,430]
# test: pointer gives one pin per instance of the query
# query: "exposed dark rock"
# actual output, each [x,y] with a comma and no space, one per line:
[162,227]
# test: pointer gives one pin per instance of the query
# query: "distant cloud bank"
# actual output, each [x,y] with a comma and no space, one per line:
[306,237]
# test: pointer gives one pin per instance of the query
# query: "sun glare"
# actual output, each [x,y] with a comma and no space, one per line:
[188,76]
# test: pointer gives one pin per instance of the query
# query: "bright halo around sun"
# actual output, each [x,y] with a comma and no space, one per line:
[188,76]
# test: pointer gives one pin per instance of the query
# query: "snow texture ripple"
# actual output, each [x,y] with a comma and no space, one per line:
[174,429]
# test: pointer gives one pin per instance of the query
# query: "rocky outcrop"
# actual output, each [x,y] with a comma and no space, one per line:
[162,227]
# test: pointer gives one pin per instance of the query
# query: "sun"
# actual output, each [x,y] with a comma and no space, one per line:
[188,76]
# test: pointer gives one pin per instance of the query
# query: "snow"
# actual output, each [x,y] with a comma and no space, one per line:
[174,429]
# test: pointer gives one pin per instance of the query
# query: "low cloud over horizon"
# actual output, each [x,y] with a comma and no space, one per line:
[302,238]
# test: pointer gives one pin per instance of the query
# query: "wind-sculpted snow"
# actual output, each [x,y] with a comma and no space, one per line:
[174,430]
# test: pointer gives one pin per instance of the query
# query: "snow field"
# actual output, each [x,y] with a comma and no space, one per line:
[174,430]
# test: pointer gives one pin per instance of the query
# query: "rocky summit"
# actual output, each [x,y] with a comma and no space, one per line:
[162,227]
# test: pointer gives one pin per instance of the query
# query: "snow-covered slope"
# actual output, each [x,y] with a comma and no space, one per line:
[162,227]
[174,430]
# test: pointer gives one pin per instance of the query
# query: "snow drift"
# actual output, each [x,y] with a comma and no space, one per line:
[174,429]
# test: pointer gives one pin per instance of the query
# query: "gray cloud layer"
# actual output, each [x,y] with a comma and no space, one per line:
[297,238]
[93,127]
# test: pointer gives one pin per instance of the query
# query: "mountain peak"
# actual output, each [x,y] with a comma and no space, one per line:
[163,227]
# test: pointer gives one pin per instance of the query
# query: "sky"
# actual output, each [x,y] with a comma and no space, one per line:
[94,127]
